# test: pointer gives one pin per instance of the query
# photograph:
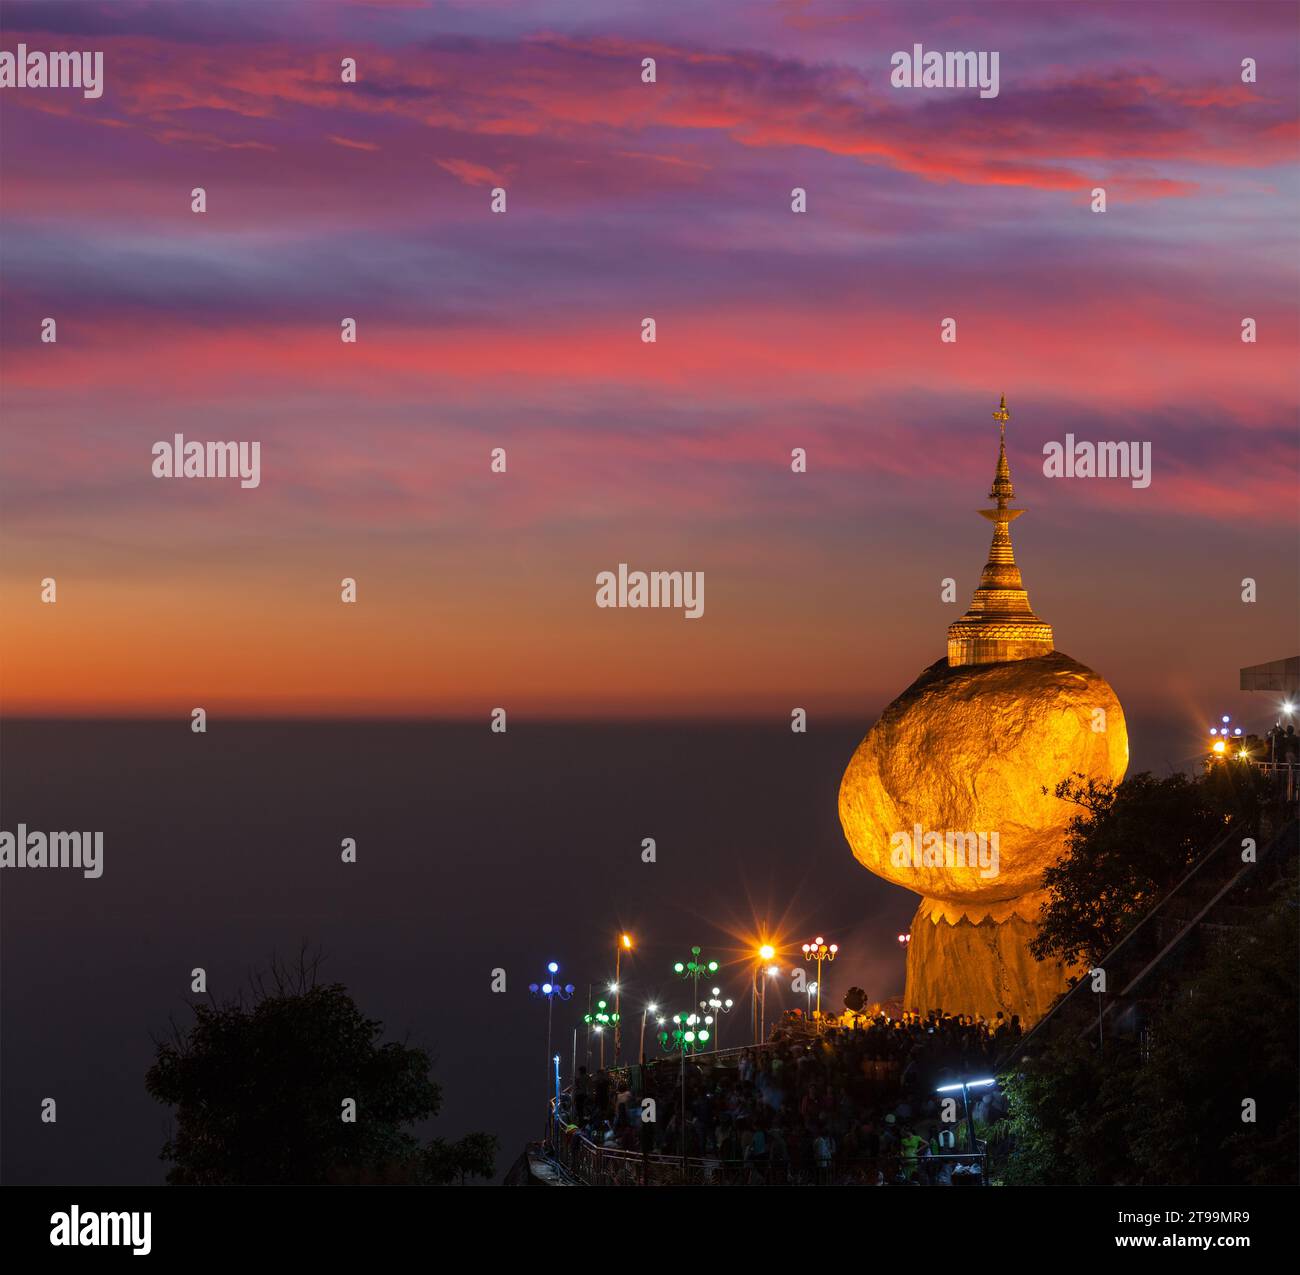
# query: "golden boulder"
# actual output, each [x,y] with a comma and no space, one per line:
[952,792]
[976,752]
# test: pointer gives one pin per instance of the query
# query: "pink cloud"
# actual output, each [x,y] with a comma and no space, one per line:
[469,173]
[353,144]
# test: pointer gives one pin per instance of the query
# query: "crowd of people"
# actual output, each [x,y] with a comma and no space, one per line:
[852,1103]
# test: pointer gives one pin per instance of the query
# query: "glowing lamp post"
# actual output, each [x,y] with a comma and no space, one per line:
[690,1033]
[717,1005]
[550,990]
[764,953]
[818,950]
[624,945]
[768,974]
[1223,737]
[693,968]
[1277,736]
[600,1020]
[649,1009]
[966,1086]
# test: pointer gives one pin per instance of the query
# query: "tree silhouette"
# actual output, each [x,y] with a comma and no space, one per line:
[1169,1110]
[259,1088]
[474,1156]
[1129,845]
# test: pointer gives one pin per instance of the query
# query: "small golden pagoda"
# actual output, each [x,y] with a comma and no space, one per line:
[1000,625]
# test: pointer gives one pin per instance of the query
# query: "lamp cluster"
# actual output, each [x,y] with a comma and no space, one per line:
[696,966]
[819,950]
[1223,736]
[689,1030]
[690,1033]
[601,1017]
[550,988]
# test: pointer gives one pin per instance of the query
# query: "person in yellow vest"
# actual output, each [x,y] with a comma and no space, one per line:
[911,1145]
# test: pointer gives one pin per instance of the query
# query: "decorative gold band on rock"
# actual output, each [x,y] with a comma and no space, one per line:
[1027,907]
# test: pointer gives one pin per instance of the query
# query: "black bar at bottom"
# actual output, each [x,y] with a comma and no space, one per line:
[337,1223]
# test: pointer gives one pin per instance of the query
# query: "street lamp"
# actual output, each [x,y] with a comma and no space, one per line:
[1227,736]
[599,1019]
[904,943]
[691,1033]
[818,951]
[693,968]
[966,1086]
[550,990]
[765,952]
[810,989]
[624,945]
[770,972]
[719,1006]
[649,1009]
[1288,708]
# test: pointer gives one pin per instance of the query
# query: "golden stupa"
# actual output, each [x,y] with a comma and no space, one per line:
[951,793]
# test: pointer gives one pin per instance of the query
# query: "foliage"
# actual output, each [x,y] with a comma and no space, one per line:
[474,1156]
[1129,845]
[1232,1036]
[1173,1115]
[258,1087]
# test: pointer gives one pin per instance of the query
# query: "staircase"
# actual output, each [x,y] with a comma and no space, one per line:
[1199,907]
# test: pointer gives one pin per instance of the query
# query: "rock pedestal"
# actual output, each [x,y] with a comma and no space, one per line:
[984,968]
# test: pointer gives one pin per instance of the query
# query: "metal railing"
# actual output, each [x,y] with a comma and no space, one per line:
[1285,771]
[631,1072]
[1144,946]
[596,1165]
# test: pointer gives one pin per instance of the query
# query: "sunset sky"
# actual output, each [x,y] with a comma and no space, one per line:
[775,330]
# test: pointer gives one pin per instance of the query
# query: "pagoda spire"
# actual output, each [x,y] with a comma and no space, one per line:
[1000,624]
[1002,490]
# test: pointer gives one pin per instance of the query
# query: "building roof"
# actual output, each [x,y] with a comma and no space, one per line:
[1276,675]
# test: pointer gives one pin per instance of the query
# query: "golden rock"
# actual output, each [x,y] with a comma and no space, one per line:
[952,792]
[970,750]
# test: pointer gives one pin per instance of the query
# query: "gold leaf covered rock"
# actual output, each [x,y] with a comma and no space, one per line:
[952,792]
[969,750]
